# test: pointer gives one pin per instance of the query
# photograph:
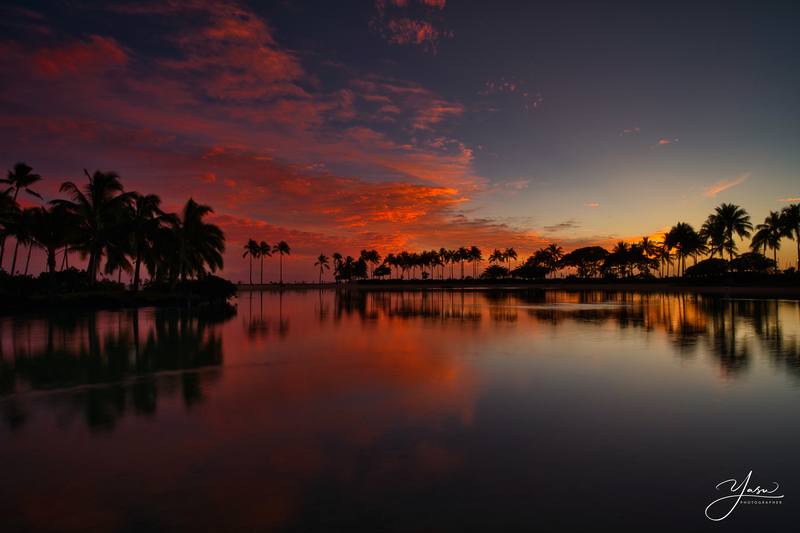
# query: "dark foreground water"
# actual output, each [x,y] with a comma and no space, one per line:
[403,411]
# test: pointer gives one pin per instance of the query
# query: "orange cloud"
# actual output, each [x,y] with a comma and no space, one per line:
[724,185]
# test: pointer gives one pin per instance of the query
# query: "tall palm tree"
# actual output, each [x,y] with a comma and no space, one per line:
[18,225]
[554,254]
[337,265]
[322,263]
[50,230]
[199,244]
[264,250]
[462,255]
[145,219]
[685,240]
[769,234]
[252,250]
[19,179]
[477,258]
[98,207]
[734,220]
[664,256]
[713,235]
[510,254]
[791,223]
[281,248]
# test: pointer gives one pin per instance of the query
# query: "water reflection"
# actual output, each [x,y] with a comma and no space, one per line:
[340,410]
[118,361]
[726,328]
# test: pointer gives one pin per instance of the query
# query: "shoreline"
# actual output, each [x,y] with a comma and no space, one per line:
[764,290]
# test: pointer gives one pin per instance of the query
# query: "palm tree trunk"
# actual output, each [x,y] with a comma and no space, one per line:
[14,258]
[2,251]
[51,260]
[281,266]
[797,240]
[262,270]
[137,271]
[251,270]
[28,260]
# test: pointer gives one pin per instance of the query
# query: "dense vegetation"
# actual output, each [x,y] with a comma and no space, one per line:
[643,259]
[114,231]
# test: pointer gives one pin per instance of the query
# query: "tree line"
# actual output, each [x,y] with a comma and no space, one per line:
[114,230]
[645,258]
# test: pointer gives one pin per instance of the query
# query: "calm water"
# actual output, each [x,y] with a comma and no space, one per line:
[402,411]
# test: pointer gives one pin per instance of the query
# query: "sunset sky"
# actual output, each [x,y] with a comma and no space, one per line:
[413,124]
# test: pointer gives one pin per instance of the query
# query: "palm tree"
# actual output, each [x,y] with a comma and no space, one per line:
[21,178]
[252,250]
[769,234]
[322,263]
[554,254]
[98,208]
[791,223]
[18,225]
[50,230]
[683,238]
[734,220]
[281,248]
[713,235]
[510,254]
[145,219]
[264,250]
[199,244]
[664,256]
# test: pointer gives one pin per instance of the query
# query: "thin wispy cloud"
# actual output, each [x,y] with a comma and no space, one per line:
[790,199]
[724,185]
[663,141]
[593,205]
[562,226]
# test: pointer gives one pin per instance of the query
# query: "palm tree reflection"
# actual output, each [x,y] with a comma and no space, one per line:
[109,366]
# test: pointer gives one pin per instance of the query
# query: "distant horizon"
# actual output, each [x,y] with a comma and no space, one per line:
[395,125]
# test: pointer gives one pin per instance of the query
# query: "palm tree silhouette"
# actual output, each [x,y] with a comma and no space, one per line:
[477,257]
[734,220]
[281,248]
[18,179]
[554,255]
[50,231]
[251,250]
[791,222]
[322,263]
[199,243]
[337,265]
[98,207]
[510,254]
[769,234]
[145,219]
[264,250]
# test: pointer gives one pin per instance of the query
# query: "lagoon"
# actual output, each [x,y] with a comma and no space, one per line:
[437,410]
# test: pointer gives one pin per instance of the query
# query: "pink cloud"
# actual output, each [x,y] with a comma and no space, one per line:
[96,54]
[404,22]
[723,185]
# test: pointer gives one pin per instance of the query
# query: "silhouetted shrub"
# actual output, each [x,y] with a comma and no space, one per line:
[708,268]
[752,262]
[495,272]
